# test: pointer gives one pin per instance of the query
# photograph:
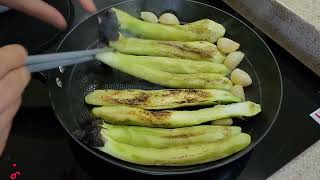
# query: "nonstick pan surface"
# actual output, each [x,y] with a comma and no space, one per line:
[69,85]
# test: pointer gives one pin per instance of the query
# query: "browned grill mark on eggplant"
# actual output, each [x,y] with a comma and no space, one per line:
[186,135]
[141,98]
[203,53]
[151,116]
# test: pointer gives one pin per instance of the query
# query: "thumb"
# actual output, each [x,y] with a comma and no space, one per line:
[6,121]
[38,9]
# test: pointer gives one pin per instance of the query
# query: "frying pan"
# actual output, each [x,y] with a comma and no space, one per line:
[69,85]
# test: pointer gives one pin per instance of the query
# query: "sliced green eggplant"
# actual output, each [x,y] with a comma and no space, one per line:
[171,65]
[133,148]
[127,64]
[194,50]
[126,115]
[222,122]
[163,138]
[202,30]
[160,99]
[178,155]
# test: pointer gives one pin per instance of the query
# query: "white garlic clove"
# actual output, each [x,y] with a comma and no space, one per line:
[222,122]
[237,90]
[227,45]
[233,59]
[240,77]
[168,18]
[149,17]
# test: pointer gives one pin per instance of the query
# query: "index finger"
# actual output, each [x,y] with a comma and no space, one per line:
[88,5]
[11,57]
[38,9]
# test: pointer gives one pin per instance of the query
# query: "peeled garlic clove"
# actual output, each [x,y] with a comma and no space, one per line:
[227,45]
[239,77]
[149,17]
[168,18]
[238,91]
[222,122]
[233,59]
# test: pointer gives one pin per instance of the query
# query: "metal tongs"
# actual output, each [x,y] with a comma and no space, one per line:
[44,62]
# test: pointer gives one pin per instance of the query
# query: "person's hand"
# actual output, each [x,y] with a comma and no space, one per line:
[14,77]
[41,10]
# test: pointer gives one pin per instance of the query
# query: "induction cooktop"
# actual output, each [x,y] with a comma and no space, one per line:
[38,147]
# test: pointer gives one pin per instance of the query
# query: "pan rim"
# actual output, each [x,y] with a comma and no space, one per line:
[179,172]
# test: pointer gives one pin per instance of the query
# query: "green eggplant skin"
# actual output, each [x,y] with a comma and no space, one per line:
[126,115]
[193,50]
[171,65]
[173,80]
[179,155]
[202,30]
[163,138]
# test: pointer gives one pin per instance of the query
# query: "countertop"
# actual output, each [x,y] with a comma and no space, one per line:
[294,24]
[305,166]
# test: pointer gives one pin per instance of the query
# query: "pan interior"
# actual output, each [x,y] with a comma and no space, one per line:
[81,79]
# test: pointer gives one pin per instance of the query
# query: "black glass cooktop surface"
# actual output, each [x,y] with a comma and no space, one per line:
[39,148]
[33,34]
